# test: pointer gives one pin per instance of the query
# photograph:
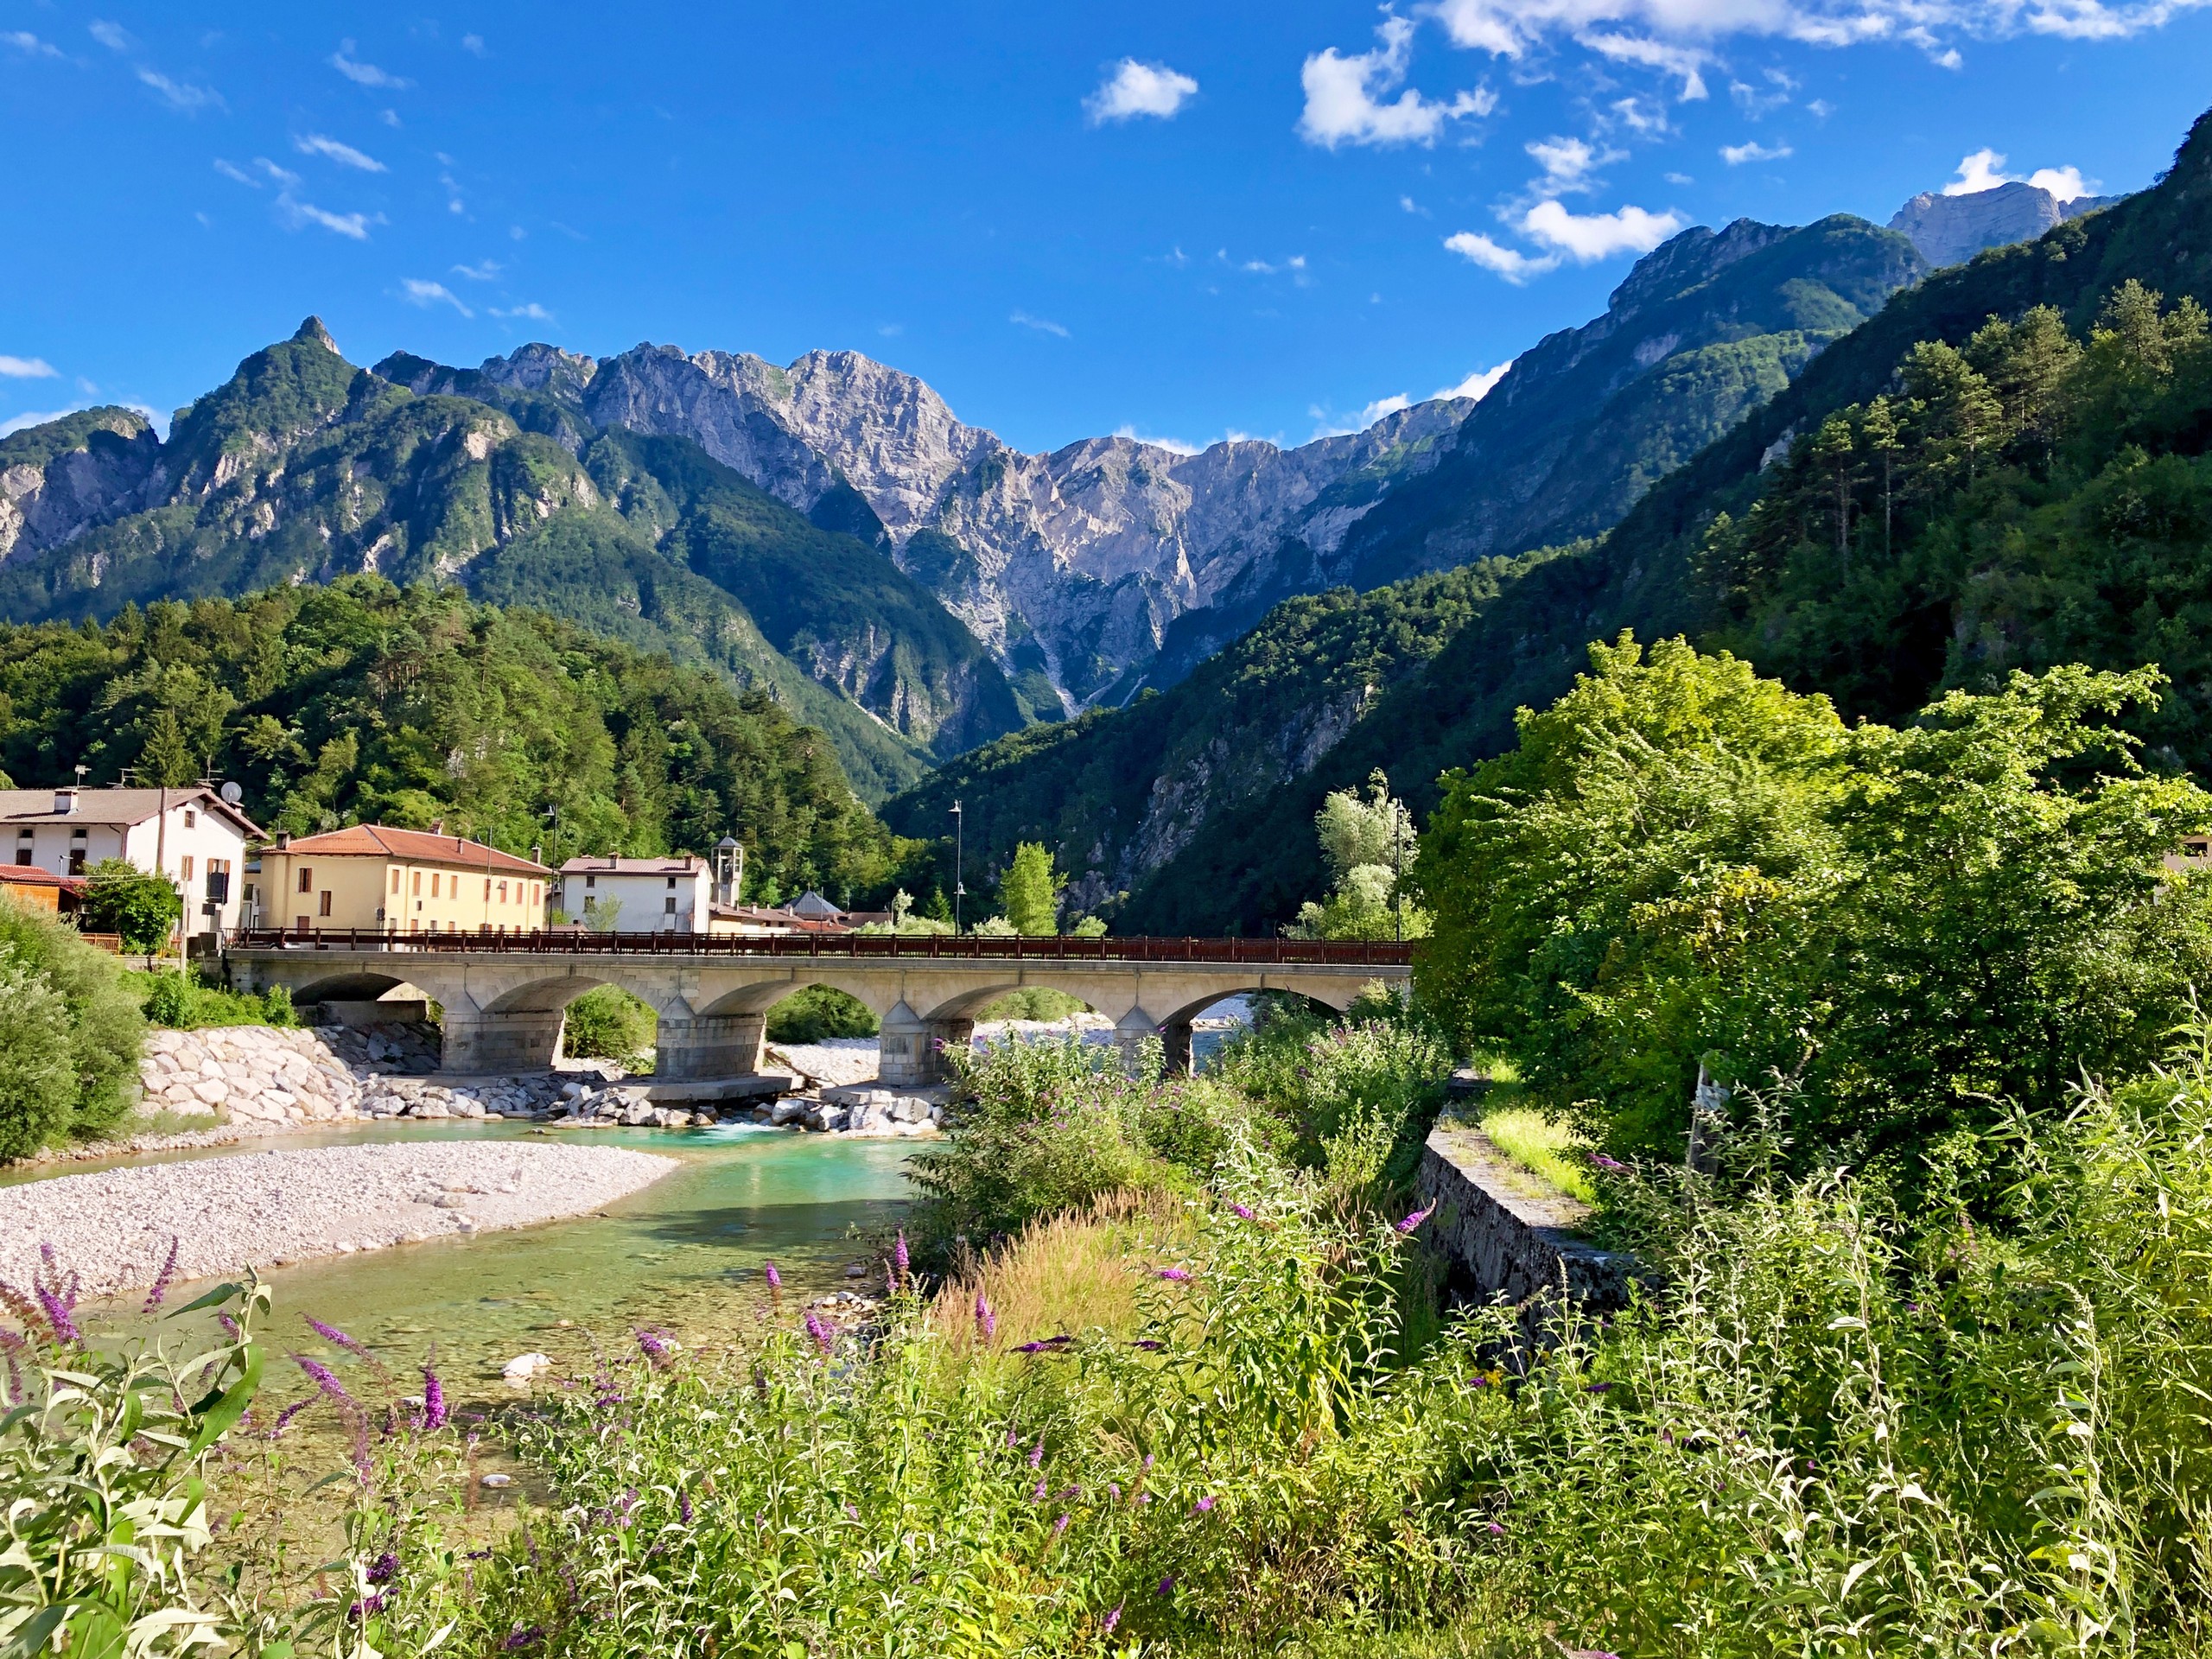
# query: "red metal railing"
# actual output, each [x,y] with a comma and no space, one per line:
[1320,953]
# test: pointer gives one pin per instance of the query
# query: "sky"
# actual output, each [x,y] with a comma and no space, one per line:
[1181,221]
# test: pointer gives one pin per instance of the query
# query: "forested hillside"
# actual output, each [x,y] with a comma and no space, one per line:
[360,701]
[2047,502]
[303,466]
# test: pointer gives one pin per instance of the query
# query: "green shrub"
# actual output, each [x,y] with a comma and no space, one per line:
[1360,1097]
[140,906]
[1032,1003]
[191,1001]
[276,1006]
[816,1012]
[74,1003]
[608,1023]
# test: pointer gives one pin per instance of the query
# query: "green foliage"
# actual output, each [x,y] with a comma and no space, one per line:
[108,1470]
[363,701]
[190,1001]
[1544,1146]
[1032,1002]
[1029,892]
[607,1023]
[1685,866]
[815,1012]
[138,905]
[1367,845]
[70,1032]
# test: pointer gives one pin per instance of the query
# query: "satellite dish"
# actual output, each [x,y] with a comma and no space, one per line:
[233,794]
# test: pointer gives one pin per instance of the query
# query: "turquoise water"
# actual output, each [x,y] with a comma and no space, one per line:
[683,1255]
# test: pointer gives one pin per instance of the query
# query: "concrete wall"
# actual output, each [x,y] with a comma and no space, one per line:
[1509,1233]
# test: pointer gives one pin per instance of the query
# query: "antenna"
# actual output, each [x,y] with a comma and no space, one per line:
[232,794]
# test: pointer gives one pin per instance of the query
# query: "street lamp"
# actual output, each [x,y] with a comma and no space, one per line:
[959,843]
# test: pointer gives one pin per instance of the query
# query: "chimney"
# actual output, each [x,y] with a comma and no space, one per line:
[437,826]
[65,801]
[284,840]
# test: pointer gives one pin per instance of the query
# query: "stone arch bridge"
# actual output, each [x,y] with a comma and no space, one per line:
[504,996]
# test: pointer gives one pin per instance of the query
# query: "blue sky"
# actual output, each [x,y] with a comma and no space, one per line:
[1179,221]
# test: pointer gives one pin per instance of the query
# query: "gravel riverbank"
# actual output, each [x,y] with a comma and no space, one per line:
[263,1209]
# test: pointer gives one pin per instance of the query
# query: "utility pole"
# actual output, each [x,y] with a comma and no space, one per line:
[959,844]
[1398,867]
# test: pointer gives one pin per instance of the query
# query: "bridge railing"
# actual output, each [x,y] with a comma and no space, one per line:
[1319,953]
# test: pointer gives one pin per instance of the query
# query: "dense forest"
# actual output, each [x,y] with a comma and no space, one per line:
[361,701]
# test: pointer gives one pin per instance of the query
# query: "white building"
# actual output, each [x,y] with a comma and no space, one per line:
[189,833]
[637,895]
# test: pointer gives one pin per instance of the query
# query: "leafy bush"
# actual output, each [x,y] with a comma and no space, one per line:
[191,1001]
[106,1465]
[1358,1097]
[815,1012]
[140,906]
[608,1023]
[1032,1002]
[69,1034]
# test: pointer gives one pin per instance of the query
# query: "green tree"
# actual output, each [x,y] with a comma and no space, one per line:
[1029,892]
[1366,842]
[64,998]
[138,905]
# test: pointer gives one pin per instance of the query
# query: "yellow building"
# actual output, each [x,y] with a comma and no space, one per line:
[398,881]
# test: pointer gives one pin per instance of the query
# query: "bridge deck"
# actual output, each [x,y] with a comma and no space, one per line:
[1258,953]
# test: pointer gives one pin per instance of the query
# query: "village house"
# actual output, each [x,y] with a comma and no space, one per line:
[190,835]
[636,895]
[371,876]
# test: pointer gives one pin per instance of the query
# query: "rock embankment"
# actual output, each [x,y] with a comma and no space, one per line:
[113,1228]
[263,1075]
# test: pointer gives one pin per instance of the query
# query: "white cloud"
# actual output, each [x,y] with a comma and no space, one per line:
[34,417]
[1757,103]
[1679,178]
[23,40]
[1568,164]
[1173,446]
[1342,94]
[1985,170]
[181,94]
[891,330]
[473,44]
[416,291]
[530,312]
[1024,319]
[1511,263]
[281,174]
[1737,155]
[345,154]
[1648,121]
[1820,109]
[110,36]
[2063,183]
[26,368]
[297,214]
[1513,29]
[1135,89]
[483,272]
[236,175]
[1382,406]
[1684,62]
[1587,238]
[1294,264]
[364,74]
[1477,385]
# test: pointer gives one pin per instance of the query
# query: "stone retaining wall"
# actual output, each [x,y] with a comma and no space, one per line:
[1509,1233]
[264,1074]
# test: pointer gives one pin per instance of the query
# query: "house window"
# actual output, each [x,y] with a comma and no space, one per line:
[306,881]
[187,871]
[668,906]
[672,884]
[76,860]
[301,923]
[191,819]
[488,889]
[533,894]
[395,878]
[502,892]
[218,880]
[325,907]
[590,881]
[418,884]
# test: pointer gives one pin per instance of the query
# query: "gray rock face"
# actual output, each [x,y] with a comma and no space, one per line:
[1085,554]
[47,501]
[1951,230]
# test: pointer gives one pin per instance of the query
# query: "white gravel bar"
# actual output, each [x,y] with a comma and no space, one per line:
[266,1209]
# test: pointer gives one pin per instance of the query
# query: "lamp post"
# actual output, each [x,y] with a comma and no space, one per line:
[959,844]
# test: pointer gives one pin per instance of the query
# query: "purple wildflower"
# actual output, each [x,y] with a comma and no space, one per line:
[284,1417]
[1147,1345]
[1167,1585]
[1612,1164]
[899,1252]
[1037,1453]
[1112,1619]
[1038,1496]
[524,1636]
[1496,1531]
[820,1332]
[1009,1439]
[657,1346]
[1176,1275]
[986,1320]
[332,1334]
[768,1271]
[367,1608]
[162,1279]
[434,1400]
[58,1312]
[384,1568]
[1243,1211]
[1059,1527]
[1202,1506]
[1413,1222]
[1597,1388]
[1029,1348]
[324,1378]
[684,1505]
[1114,1490]
[230,1326]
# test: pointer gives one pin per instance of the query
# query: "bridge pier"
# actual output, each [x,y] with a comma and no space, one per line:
[912,1051]
[1175,1038]
[709,1045]
[1132,1031]
[518,1039]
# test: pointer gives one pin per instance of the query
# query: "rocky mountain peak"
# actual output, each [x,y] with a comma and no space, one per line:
[1683,261]
[312,332]
[1951,230]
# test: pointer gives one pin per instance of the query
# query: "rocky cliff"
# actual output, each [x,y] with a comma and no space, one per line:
[1951,230]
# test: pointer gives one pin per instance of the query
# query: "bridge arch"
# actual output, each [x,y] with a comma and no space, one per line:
[351,985]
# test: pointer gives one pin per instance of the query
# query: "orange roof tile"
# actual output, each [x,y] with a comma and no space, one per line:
[420,846]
